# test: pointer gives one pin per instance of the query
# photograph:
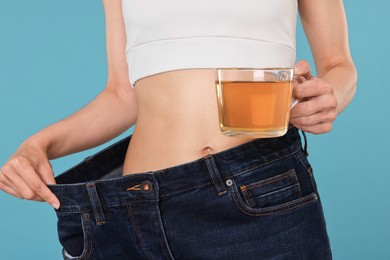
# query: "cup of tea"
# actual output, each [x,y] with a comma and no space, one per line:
[254,102]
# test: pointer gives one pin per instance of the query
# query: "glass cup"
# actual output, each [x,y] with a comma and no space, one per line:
[254,102]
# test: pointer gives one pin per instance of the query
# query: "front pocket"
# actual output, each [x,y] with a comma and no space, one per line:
[272,191]
[268,196]
[75,235]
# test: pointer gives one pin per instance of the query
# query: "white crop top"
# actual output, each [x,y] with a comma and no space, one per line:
[165,35]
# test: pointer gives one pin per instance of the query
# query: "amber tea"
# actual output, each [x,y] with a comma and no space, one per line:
[258,106]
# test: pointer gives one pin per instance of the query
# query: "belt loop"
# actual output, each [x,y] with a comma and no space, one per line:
[305,146]
[215,175]
[96,204]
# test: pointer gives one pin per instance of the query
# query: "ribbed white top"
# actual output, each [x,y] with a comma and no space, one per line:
[165,35]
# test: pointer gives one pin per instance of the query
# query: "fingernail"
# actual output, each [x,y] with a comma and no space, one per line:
[298,70]
[55,205]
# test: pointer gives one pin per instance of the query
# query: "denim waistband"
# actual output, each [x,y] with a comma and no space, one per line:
[101,173]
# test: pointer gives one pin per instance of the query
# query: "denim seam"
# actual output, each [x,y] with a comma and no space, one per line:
[298,190]
[87,241]
[245,191]
[163,232]
[111,180]
[309,171]
[301,160]
[90,242]
[293,175]
[96,204]
[112,205]
[71,211]
[278,211]
[136,231]
[215,175]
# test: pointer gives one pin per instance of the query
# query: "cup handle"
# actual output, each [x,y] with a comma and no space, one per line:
[294,102]
[299,79]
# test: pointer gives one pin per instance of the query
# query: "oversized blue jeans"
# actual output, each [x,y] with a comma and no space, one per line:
[257,200]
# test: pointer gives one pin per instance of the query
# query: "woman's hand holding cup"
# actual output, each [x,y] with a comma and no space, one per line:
[317,107]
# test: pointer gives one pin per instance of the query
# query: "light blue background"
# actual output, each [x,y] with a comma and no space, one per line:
[53,62]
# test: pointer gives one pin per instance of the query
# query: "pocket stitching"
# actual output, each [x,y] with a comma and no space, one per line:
[300,157]
[87,233]
[269,180]
[289,174]
[295,187]
[270,210]
[299,190]
[309,170]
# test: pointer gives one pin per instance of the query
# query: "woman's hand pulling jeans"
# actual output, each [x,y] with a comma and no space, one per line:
[27,172]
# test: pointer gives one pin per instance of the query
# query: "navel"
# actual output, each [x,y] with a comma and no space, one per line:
[207,150]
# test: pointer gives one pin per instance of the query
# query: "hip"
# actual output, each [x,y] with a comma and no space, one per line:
[257,199]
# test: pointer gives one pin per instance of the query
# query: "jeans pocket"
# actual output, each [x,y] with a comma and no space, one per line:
[257,195]
[75,235]
[309,170]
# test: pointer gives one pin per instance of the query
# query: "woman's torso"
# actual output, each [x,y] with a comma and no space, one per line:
[178,117]
[177,121]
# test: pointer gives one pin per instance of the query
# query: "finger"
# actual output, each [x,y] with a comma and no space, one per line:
[323,116]
[9,190]
[6,186]
[311,88]
[37,185]
[312,106]
[302,67]
[305,108]
[299,79]
[16,182]
[6,183]
[46,172]
[316,129]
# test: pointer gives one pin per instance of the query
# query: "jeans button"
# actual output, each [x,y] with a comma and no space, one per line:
[146,186]
[85,216]
[229,182]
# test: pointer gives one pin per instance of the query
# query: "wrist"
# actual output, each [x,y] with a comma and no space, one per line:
[38,141]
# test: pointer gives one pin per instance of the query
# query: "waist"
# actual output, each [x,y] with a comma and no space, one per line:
[177,121]
[102,172]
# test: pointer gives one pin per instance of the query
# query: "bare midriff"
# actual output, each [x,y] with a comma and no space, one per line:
[177,121]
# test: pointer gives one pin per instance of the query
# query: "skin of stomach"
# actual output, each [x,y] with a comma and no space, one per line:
[177,121]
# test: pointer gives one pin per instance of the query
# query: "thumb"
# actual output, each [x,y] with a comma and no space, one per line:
[302,67]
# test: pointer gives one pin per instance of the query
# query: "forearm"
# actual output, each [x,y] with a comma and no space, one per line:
[107,116]
[325,25]
[343,78]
